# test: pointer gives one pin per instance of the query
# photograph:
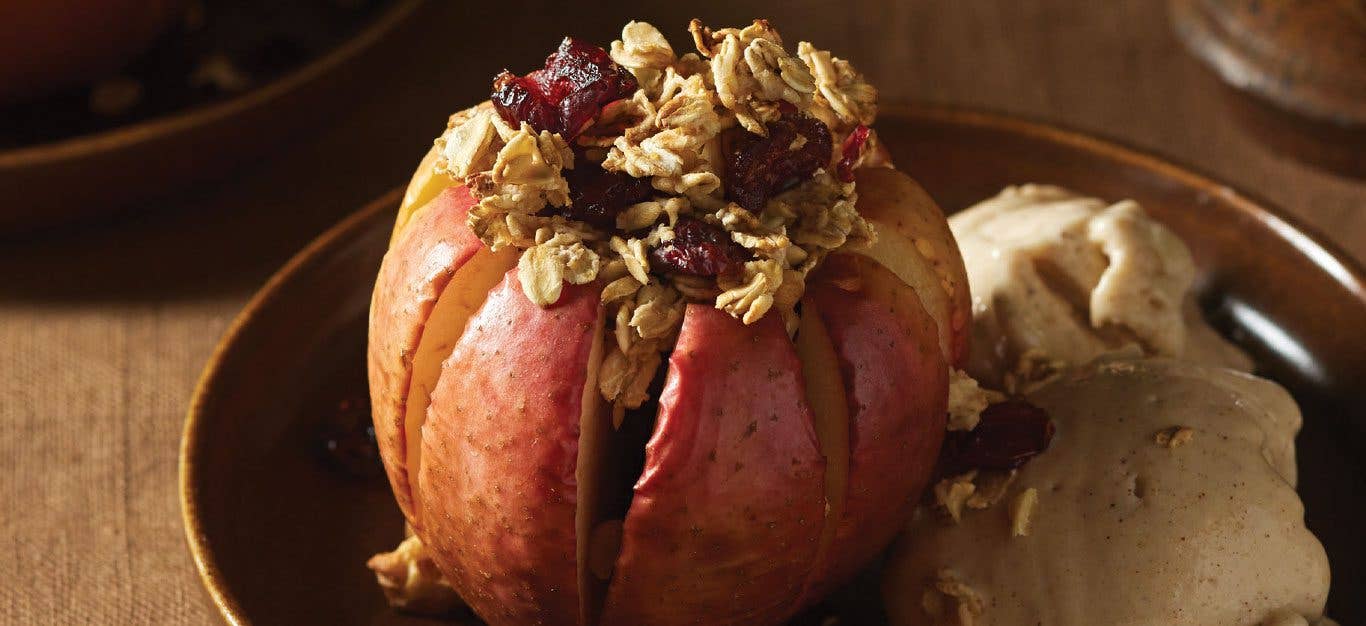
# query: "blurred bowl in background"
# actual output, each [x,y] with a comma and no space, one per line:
[61,162]
[1296,72]
[49,44]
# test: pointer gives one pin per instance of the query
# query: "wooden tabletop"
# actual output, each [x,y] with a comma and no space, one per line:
[104,328]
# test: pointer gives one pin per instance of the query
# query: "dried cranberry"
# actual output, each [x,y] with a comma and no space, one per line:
[699,249]
[583,78]
[850,152]
[1010,434]
[596,196]
[759,167]
[567,94]
[520,99]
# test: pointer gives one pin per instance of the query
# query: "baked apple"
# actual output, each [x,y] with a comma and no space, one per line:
[663,339]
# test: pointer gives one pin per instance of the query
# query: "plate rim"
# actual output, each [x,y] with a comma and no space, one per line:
[188,474]
[1344,269]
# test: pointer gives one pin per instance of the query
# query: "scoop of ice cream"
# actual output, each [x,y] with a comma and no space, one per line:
[1059,277]
[1166,497]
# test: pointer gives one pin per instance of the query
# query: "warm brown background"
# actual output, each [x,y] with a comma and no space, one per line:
[104,328]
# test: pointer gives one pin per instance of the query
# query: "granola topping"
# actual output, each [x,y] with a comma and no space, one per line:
[990,487]
[750,295]
[953,492]
[555,259]
[842,93]
[752,72]
[470,147]
[974,489]
[720,176]
[1022,511]
[949,601]
[1174,437]
[967,400]
[411,581]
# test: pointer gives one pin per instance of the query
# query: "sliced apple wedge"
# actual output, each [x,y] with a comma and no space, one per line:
[593,526]
[895,380]
[458,302]
[727,515]
[830,408]
[500,467]
[422,187]
[412,280]
[915,243]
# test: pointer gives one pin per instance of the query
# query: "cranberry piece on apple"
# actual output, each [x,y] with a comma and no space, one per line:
[596,196]
[567,94]
[582,79]
[850,153]
[699,249]
[758,167]
[520,99]
[1009,435]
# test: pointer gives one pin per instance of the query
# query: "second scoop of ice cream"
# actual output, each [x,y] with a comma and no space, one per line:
[1061,277]
[1167,497]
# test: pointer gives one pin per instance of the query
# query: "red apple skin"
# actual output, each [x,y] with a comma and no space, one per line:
[727,515]
[417,268]
[896,382]
[500,448]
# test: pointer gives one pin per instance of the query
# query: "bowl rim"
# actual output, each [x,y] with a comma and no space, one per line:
[1309,241]
[152,129]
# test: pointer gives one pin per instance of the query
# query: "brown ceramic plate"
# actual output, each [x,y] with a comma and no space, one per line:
[88,175]
[280,535]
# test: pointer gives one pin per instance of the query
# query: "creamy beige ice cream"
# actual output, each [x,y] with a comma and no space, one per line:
[1167,497]
[1057,276]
